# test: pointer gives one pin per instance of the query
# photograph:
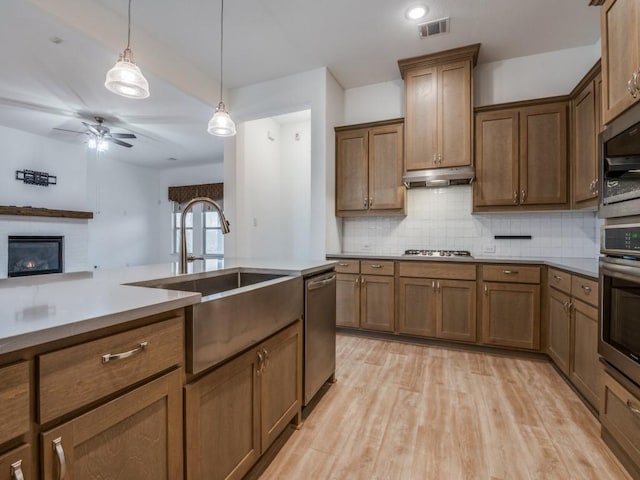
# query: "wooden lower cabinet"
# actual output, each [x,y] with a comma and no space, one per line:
[234,413]
[457,310]
[585,366]
[560,329]
[137,435]
[377,302]
[16,464]
[511,315]
[348,300]
[417,306]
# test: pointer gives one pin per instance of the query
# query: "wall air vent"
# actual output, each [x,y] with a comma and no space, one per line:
[434,28]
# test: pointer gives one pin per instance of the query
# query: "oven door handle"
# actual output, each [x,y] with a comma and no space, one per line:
[627,272]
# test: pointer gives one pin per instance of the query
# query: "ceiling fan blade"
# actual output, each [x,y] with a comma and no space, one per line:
[91,128]
[72,131]
[123,135]
[118,142]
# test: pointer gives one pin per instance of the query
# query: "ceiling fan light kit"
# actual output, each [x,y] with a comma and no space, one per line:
[126,78]
[221,124]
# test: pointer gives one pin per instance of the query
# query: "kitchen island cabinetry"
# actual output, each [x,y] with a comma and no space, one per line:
[369,169]
[521,157]
[15,395]
[511,306]
[235,412]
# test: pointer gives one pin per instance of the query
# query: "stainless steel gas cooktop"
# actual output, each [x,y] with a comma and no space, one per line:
[437,253]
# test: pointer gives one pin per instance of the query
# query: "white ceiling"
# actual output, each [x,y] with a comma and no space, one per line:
[176,43]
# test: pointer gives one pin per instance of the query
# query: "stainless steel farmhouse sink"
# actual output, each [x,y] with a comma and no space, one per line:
[239,308]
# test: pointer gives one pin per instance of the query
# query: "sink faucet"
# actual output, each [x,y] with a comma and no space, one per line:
[183,219]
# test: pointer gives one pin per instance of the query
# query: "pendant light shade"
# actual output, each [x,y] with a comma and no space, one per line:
[126,78]
[221,124]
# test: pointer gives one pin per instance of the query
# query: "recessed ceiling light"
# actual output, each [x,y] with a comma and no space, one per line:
[56,40]
[172,159]
[416,12]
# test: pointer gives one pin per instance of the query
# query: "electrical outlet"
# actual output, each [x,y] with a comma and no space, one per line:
[489,249]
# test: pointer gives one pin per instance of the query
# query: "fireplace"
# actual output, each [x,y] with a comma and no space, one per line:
[34,255]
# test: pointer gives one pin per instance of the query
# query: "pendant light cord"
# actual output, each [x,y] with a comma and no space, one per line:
[221,42]
[129,27]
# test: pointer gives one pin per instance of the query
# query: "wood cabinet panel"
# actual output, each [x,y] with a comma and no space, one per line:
[348,300]
[348,266]
[585,136]
[543,155]
[377,267]
[511,273]
[417,306]
[76,376]
[585,290]
[386,190]
[559,280]
[377,302]
[457,310]
[15,463]
[511,315]
[352,167]
[454,114]
[560,329]
[585,367]
[497,159]
[454,271]
[14,401]
[421,116]
[137,435]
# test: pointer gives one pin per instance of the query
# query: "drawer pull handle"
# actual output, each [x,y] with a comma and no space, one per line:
[633,409]
[515,197]
[586,288]
[433,285]
[343,264]
[260,363]
[267,359]
[106,358]
[62,464]
[557,278]
[510,272]
[486,290]
[376,265]
[16,471]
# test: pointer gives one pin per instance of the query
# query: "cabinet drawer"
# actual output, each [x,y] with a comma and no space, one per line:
[585,290]
[14,401]
[348,266]
[620,415]
[447,270]
[16,462]
[560,280]
[511,273]
[375,267]
[79,375]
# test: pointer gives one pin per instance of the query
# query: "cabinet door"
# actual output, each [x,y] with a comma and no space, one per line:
[377,302]
[281,390]
[585,135]
[137,435]
[511,315]
[347,300]
[222,411]
[619,27]
[560,329]
[417,306]
[421,110]
[15,463]
[497,164]
[454,114]
[386,190]
[543,155]
[585,367]
[352,165]
[457,310]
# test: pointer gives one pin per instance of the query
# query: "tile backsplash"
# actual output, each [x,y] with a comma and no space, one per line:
[441,218]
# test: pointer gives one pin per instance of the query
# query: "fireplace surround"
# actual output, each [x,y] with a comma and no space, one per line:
[34,255]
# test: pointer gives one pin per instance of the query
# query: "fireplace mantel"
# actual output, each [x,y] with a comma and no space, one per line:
[43,212]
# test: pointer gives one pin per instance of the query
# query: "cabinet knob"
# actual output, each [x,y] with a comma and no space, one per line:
[370,201]
[435,159]
[632,85]
[515,197]
[439,159]
[557,278]
[365,202]
[586,288]
[523,196]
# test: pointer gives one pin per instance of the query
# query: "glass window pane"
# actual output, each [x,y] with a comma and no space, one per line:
[189,241]
[211,219]
[213,242]
[176,241]
[189,220]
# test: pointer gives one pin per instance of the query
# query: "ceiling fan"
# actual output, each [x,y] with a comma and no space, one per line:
[100,135]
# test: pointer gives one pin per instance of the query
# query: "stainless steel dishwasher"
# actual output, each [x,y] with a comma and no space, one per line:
[320,332]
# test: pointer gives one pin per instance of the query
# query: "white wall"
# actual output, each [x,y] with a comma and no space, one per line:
[335,100]
[371,103]
[441,219]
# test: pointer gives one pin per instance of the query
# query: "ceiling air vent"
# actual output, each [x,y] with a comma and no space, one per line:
[434,28]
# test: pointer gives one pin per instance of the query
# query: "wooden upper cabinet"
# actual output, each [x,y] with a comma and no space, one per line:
[620,55]
[584,146]
[543,155]
[369,169]
[438,108]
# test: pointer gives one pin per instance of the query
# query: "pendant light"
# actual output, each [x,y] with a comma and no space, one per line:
[221,124]
[125,78]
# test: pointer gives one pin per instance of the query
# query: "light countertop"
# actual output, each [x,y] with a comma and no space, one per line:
[44,308]
[581,266]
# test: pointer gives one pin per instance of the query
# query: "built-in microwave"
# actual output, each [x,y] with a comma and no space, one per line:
[619,183]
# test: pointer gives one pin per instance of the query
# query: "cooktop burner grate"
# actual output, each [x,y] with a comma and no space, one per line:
[437,253]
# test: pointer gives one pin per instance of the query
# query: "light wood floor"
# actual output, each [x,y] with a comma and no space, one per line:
[408,412]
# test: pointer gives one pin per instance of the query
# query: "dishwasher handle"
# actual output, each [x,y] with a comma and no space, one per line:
[314,285]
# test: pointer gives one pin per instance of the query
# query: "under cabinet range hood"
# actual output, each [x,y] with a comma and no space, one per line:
[439,177]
